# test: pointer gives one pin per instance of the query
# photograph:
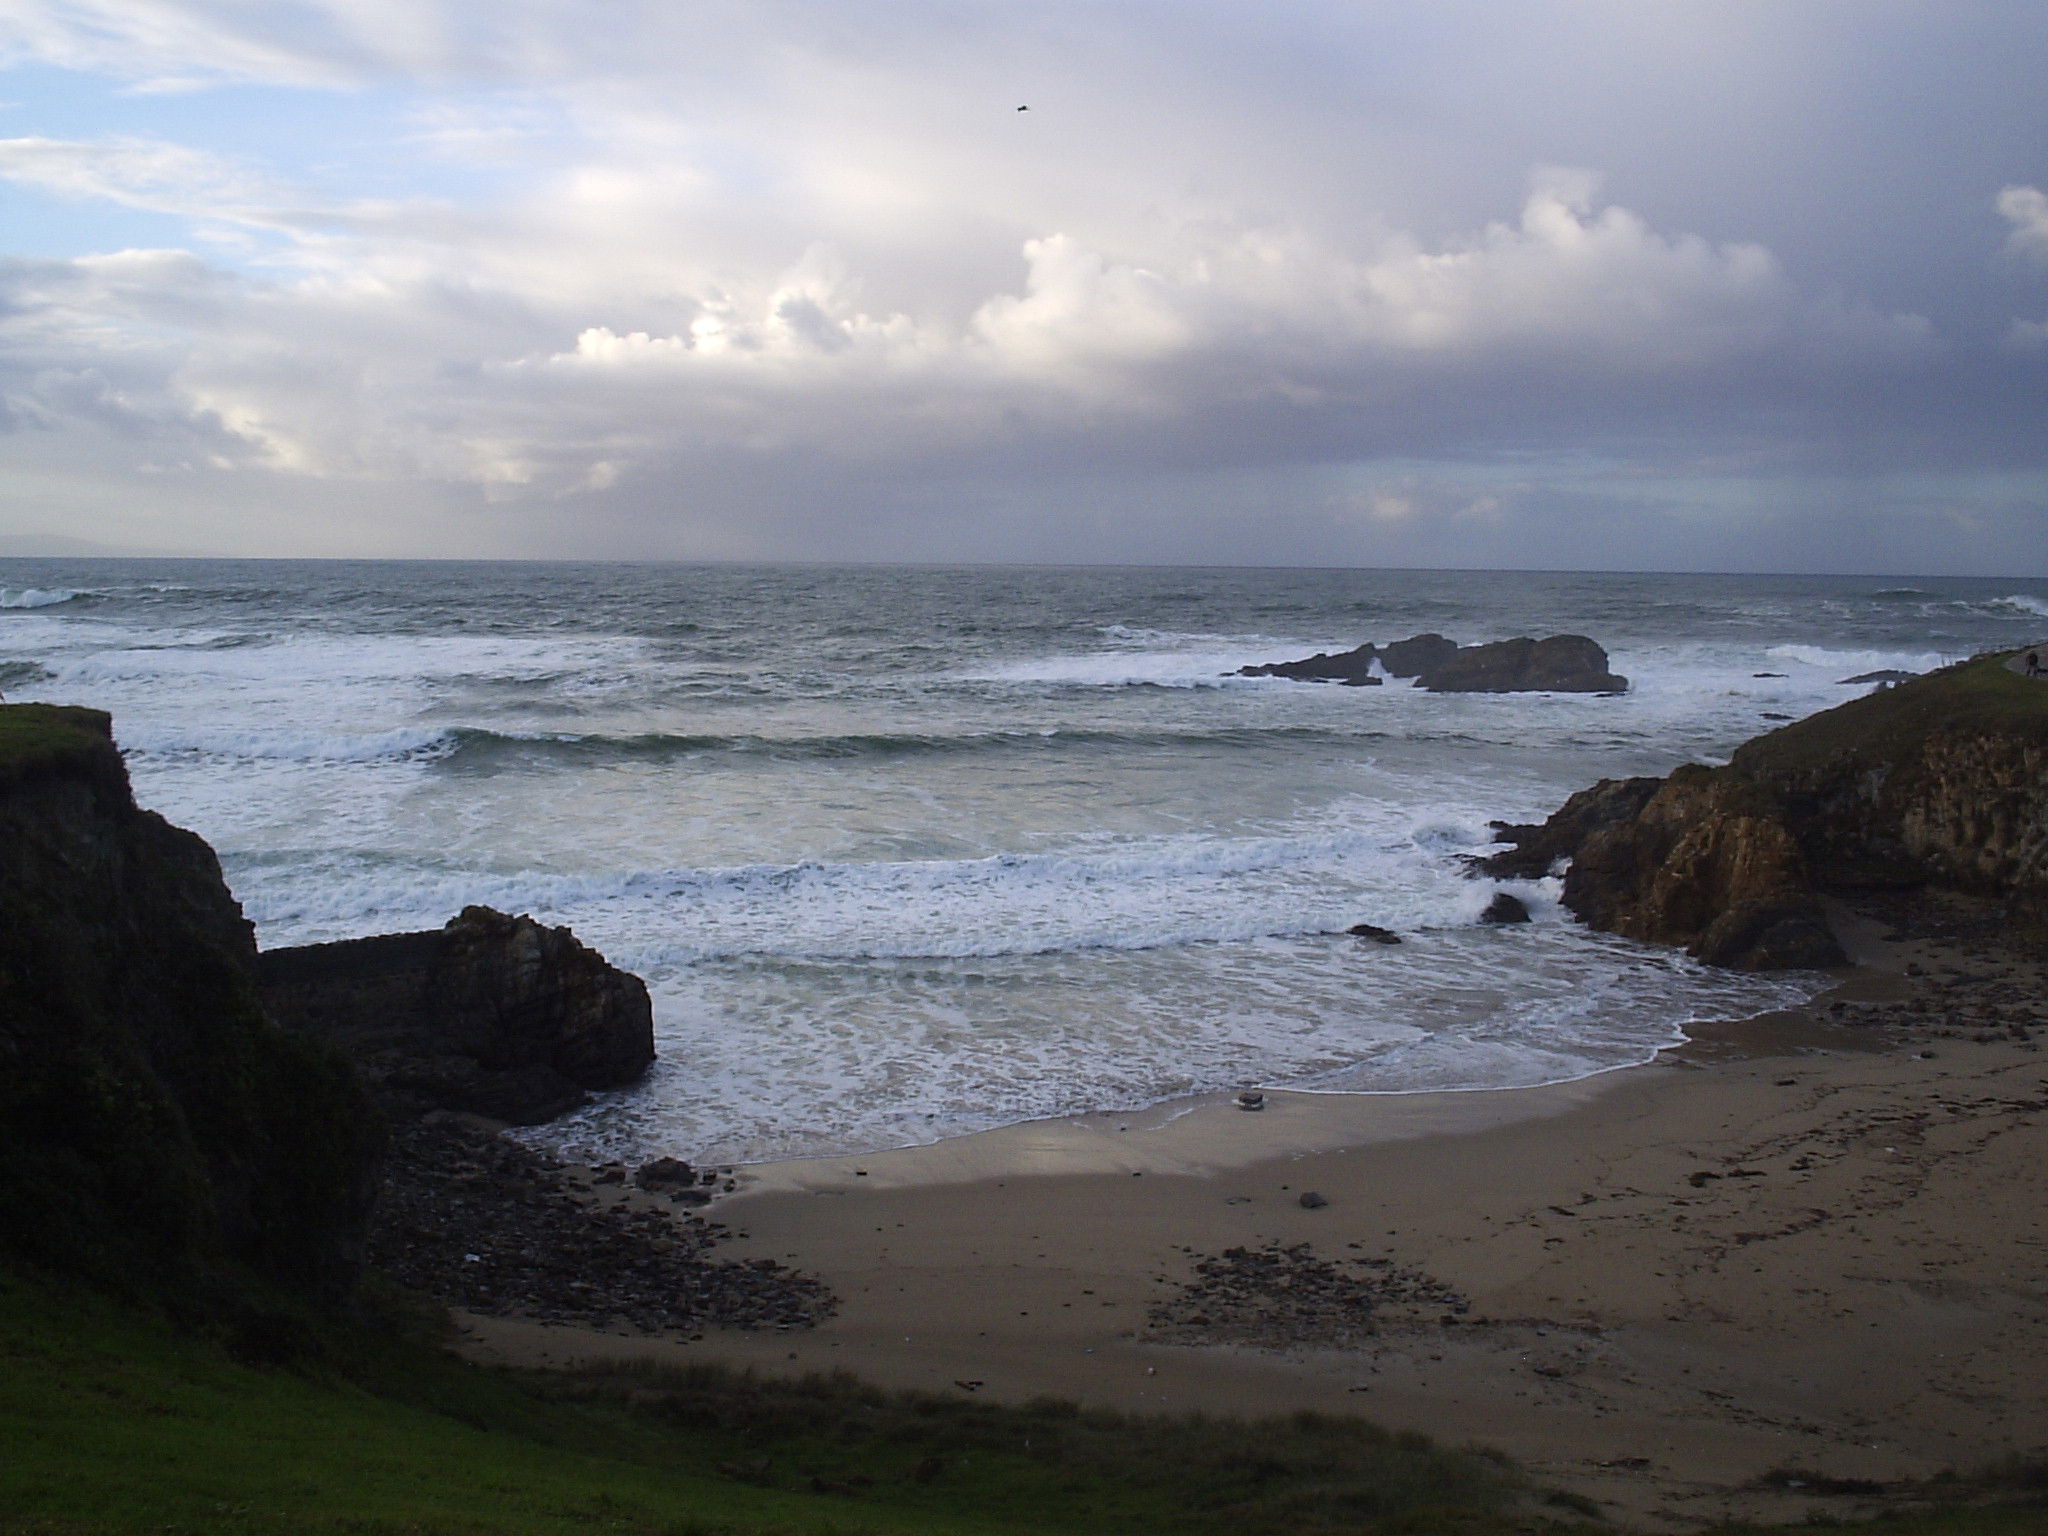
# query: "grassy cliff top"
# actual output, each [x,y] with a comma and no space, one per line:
[41,738]
[1978,695]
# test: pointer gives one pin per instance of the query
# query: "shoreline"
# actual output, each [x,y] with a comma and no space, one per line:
[1803,1241]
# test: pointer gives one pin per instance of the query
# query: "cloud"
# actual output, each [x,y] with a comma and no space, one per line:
[731,267]
[383,360]
[2026,209]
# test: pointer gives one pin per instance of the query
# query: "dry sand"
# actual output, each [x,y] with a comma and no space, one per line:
[1792,1244]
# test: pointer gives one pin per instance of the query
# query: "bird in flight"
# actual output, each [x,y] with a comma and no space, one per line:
[1023,109]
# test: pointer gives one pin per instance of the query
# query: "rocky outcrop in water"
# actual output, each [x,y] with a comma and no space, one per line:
[1417,654]
[1352,668]
[156,1130]
[1940,780]
[493,1015]
[1559,664]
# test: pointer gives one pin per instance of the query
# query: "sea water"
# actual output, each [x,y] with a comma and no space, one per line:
[904,853]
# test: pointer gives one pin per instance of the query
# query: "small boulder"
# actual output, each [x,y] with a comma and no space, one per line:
[1311,1201]
[1372,931]
[1505,908]
[665,1172]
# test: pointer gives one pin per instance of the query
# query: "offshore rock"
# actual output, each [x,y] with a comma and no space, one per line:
[1417,654]
[1560,664]
[1505,908]
[491,1015]
[157,1132]
[1352,667]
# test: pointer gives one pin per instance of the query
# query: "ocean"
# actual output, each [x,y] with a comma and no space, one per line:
[905,853]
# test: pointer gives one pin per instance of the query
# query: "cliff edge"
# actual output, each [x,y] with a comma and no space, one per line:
[1939,781]
[157,1131]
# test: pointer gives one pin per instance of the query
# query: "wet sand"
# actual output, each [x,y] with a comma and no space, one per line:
[1814,1240]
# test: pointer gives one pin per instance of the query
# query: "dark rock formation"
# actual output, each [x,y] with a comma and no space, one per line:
[1708,862]
[1941,780]
[1560,664]
[156,1130]
[1505,908]
[1352,668]
[1887,675]
[493,1015]
[1416,655]
[1374,932]
[1540,847]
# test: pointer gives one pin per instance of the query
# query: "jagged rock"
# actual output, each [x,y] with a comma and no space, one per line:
[1559,664]
[157,1132]
[493,1015]
[1539,847]
[1350,667]
[1374,932]
[1417,654]
[1709,862]
[1941,780]
[1505,908]
[1886,675]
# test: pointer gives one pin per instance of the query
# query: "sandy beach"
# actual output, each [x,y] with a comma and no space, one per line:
[1812,1242]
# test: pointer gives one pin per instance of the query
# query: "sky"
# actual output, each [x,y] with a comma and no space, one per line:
[1740,285]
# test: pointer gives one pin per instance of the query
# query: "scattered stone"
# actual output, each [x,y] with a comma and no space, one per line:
[1311,1201]
[1252,1100]
[1277,1297]
[1505,908]
[476,1220]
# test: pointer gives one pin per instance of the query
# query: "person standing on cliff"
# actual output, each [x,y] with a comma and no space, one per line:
[2033,663]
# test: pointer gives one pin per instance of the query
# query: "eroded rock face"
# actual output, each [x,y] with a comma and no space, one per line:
[1709,863]
[157,1132]
[1559,664]
[1941,780]
[493,1015]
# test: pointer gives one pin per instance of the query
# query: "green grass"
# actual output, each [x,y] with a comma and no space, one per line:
[113,1422]
[1976,694]
[37,737]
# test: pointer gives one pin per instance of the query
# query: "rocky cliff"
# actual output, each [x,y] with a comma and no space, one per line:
[156,1129]
[1942,780]
[495,1015]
